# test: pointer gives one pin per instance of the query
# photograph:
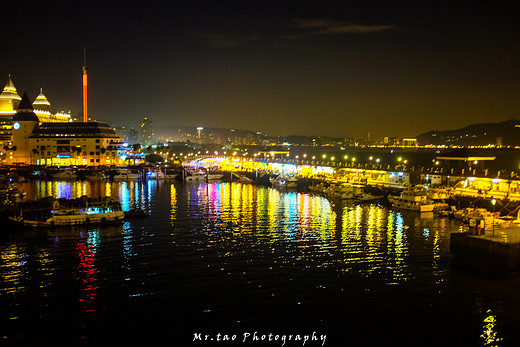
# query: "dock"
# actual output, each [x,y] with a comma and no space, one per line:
[496,253]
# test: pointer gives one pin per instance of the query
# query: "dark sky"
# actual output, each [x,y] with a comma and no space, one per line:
[337,68]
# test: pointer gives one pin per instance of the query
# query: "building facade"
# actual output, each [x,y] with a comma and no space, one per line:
[146,135]
[9,103]
[60,143]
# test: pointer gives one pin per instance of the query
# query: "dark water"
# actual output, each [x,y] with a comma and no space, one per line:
[233,259]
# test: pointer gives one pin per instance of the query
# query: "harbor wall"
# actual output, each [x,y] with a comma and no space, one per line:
[485,256]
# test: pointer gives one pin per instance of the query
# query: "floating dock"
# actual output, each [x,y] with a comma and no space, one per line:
[496,253]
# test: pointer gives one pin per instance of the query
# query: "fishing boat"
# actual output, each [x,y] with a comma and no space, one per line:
[413,199]
[82,211]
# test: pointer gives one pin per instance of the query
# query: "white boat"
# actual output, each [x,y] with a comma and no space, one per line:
[99,212]
[342,190]
[192,176]
[124,175]
[156,174]
[413,199]
[438,194]
[66,175]
[367,197]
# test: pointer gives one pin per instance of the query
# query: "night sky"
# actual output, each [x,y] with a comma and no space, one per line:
[333,68]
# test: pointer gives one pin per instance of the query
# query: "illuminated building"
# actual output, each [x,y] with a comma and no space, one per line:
[60,143]
[9,99]
[146,132]
[42,109]
[408,142]
[9,102]
[41,102]
[133,136]
[123,133]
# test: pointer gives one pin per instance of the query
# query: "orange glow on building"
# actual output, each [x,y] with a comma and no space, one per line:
[85,109]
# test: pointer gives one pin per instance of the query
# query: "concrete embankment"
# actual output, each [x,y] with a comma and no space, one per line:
[492,256]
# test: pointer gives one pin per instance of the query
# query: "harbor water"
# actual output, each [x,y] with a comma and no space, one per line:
[232,264]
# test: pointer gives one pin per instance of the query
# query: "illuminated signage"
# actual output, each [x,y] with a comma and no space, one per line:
[16,126]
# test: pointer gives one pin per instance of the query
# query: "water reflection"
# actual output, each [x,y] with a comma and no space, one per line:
[86,271]
[130,194]
[489,333]
[373,241]
[293,247]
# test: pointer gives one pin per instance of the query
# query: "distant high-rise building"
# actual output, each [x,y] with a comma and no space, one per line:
[146,132]
[123,133]
[133,136]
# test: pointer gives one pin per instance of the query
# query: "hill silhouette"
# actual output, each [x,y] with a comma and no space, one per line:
[502,134]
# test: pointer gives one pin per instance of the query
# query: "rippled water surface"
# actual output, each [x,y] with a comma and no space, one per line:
[237,259]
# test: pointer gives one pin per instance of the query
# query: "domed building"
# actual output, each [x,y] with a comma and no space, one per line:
[9,102]
[9,99]
[42,108]
[41,102]
[60,143]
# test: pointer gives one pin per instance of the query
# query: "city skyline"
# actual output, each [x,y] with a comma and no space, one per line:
[329,69]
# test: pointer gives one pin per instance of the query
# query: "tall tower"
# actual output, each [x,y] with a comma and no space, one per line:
[85,109]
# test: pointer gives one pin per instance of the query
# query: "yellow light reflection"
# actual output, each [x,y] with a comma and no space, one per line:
[489,333]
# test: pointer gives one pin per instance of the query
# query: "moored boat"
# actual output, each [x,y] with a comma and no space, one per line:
[66,175]
[155,174]
[202,176]
[124,175]
[82,211]
[339,190]
[287,182]
[413,199]
[367,197]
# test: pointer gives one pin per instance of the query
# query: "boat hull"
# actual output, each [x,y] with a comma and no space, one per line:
[406,205]
[77,219]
